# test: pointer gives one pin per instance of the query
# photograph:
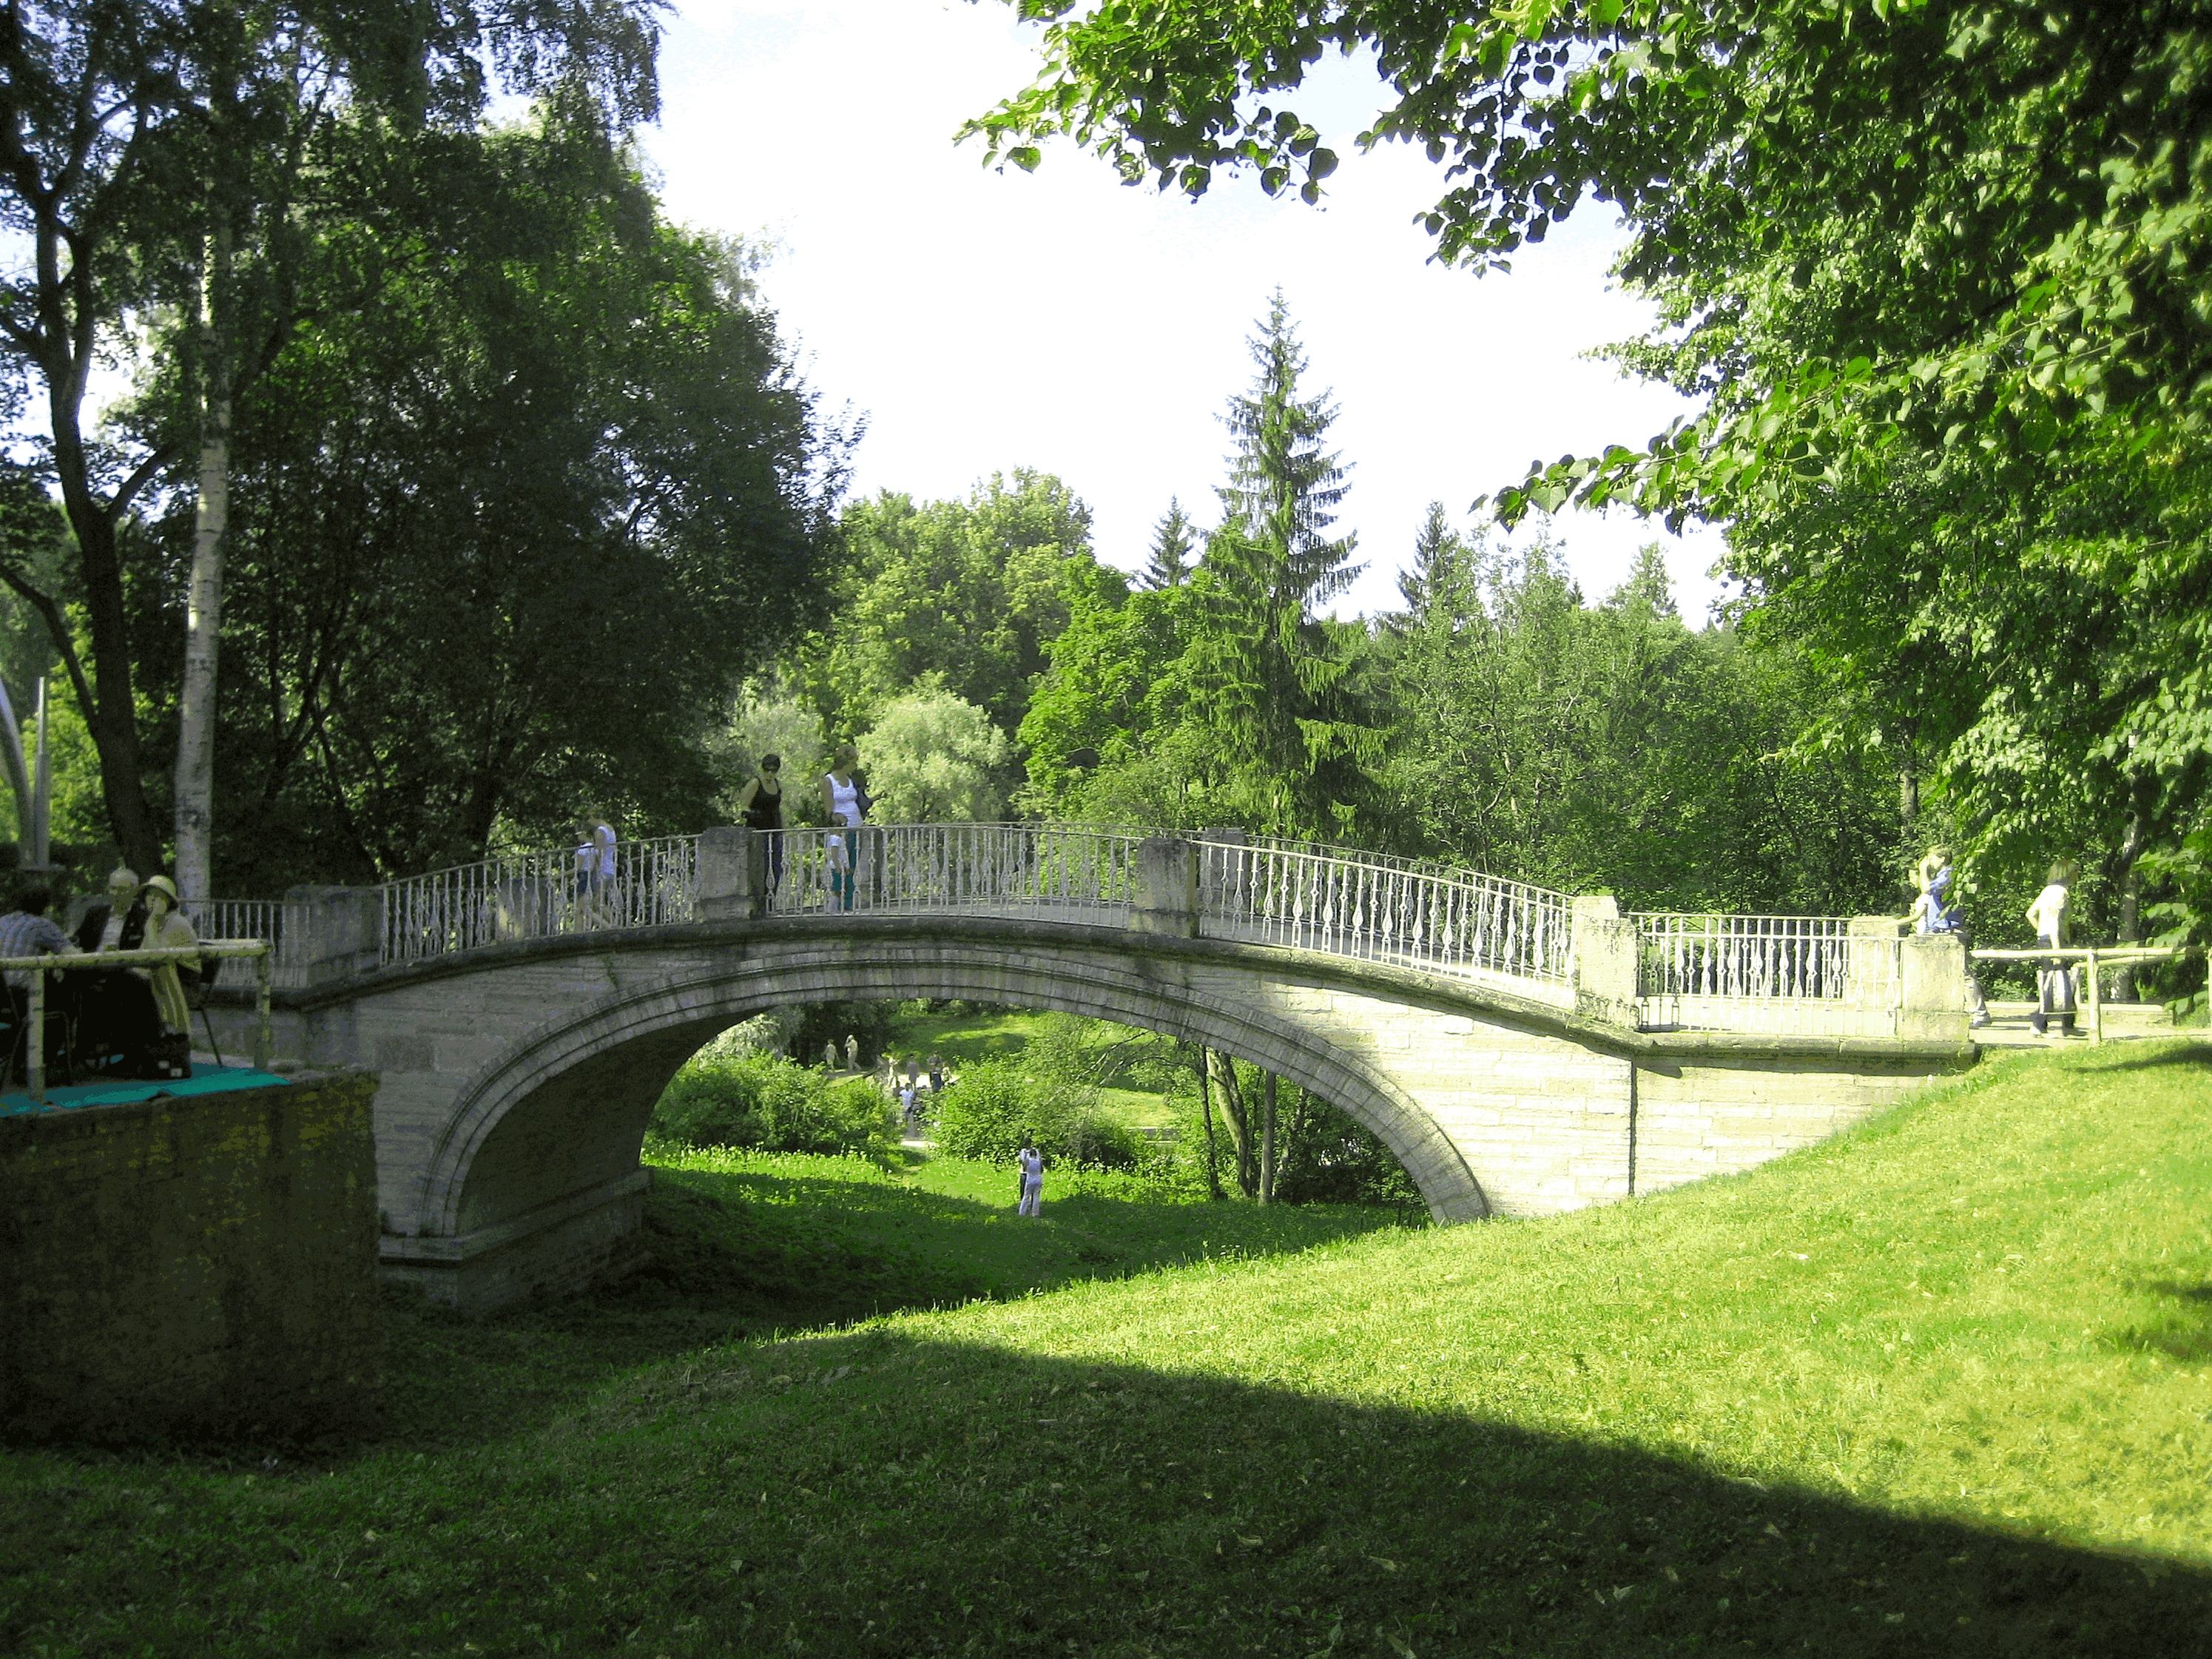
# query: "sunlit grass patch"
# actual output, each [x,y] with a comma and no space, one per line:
[1938,1387]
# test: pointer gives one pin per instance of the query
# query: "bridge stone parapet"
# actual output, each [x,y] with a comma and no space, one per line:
[518,1077]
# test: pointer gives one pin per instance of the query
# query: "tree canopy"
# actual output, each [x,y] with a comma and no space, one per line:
[509,531]
[160,163]
[1934,269]
[969,590]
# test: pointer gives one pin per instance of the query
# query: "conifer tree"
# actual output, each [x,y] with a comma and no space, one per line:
[1171,544]
[1271,675]
[1437,551]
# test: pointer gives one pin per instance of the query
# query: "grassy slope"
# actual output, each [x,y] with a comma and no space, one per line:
[1939,1387]
[942,1232]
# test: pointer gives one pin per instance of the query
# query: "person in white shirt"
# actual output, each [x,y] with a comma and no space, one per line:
[2054,979]
[595,865]
[841,803]
[1032,1167]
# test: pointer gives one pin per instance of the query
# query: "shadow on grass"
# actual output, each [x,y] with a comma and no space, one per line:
[1117,1510]
[2184,1334]
[2189,1053]
[869,1493]
[738,1254]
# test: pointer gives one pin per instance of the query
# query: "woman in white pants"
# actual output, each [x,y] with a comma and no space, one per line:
[2054,982]
[1032,1165]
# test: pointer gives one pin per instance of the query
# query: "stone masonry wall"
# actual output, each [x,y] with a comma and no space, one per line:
[1715,1113]
[202,1266]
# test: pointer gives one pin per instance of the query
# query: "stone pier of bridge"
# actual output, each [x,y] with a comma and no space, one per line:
[516,1079]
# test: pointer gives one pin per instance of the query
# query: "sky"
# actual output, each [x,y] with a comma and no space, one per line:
[984,321]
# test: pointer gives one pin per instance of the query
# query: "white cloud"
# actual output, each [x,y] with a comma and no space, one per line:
[1059,321]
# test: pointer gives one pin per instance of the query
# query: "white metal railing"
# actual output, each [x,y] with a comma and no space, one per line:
[1429,917]
[270,920]
[1010,868]
[1803,975]
[1682,954]
[1381,909]
[536,896]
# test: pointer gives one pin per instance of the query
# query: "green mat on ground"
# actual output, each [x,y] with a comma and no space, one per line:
[117,1091]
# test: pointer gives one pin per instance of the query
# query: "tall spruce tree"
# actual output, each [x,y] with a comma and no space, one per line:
[1170,565]
[1437,552]
[1271,679]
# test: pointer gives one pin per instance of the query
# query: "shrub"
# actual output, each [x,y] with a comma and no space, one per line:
[850,1117]
[984,1113]
[710,1102]
[762,1100]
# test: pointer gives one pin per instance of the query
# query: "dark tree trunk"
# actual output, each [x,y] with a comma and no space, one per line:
[1206,1114]
[112,713]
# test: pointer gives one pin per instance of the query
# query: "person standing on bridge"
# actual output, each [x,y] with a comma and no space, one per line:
[2054,978]
[760,801]
[846,808]
[1032,1172]
[595,866]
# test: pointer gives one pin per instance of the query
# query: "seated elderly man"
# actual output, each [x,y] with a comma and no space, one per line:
[26,931]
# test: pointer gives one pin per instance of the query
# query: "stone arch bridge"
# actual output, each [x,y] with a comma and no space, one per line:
[1498,1039]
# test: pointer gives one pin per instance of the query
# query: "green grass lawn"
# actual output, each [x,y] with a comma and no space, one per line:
[1939,1387]
[791,1240]
[965,1038]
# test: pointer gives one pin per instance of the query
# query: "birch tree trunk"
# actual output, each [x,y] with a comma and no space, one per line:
[195,780]
[1223,1069]
[1206,1116]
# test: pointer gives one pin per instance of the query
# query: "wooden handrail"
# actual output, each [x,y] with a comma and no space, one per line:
[2095,956]
[34,1054]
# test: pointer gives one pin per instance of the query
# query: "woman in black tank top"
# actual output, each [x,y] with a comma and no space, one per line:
[762,803]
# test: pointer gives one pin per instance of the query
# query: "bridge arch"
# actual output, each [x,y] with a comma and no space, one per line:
[564,1107]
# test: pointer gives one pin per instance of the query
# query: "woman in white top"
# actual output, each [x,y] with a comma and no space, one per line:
[841,802]
[2054,980]
[1032,1162]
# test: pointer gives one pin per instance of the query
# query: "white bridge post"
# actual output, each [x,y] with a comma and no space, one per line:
[341,930]
[1933,1003]
[1165,899]
[733,872]
[1601,960]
